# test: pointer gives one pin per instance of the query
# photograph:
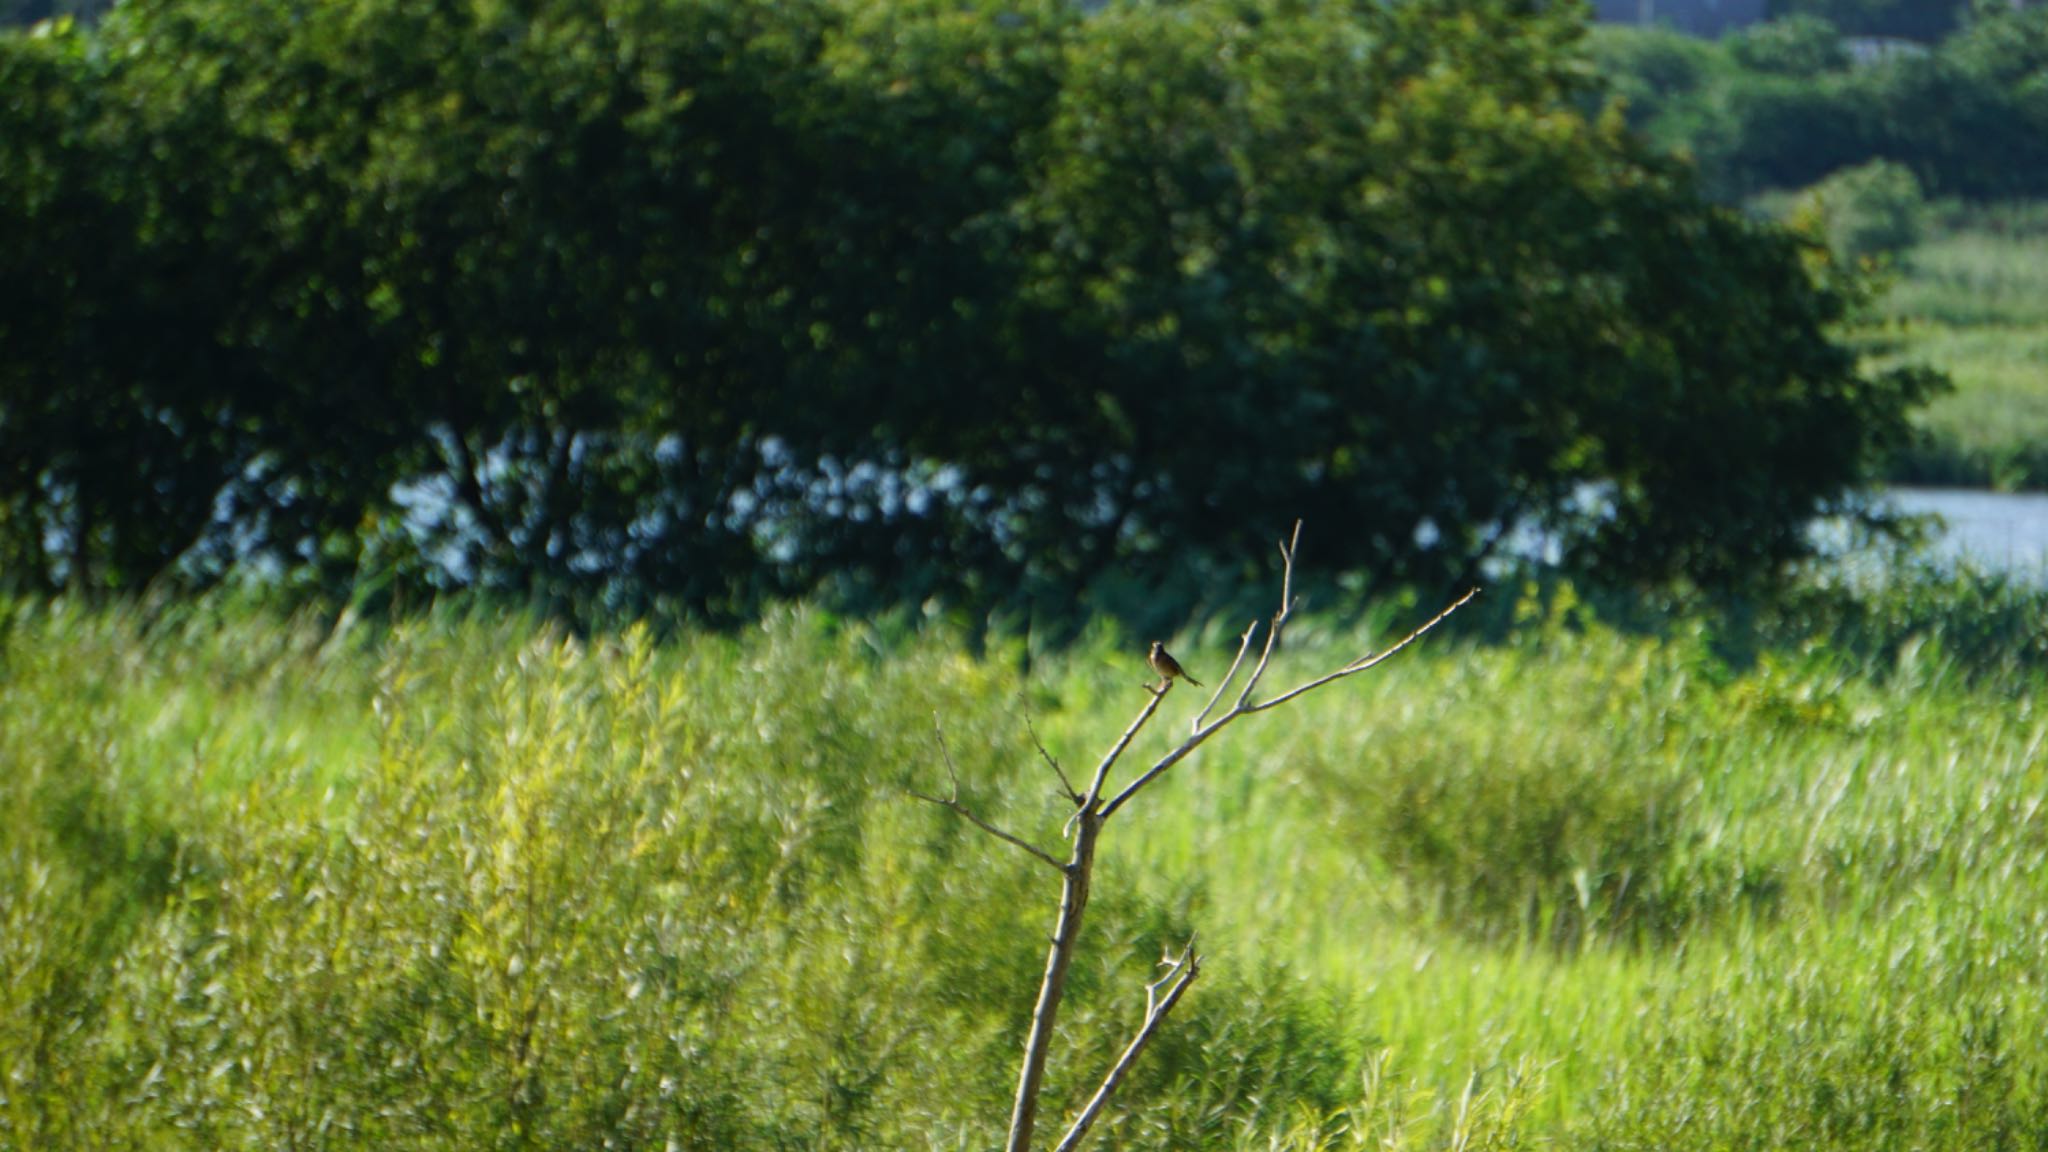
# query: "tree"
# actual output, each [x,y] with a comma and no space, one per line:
[1093,807]
[687,303]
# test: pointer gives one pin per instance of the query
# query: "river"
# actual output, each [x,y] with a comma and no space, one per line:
[2003,531]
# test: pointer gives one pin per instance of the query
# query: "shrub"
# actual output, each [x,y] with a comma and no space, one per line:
[1873,209]
[1797,46]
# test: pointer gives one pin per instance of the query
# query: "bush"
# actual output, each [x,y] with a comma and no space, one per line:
[1650,67]
[1797,46]
[1571,826]
[465,884]
[1874,209]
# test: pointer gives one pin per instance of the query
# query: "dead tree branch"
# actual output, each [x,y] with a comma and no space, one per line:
[1092,811]
[1244,705]
[1066,785]
[1244,645]
[952,801]
[1287,603]
[1181,972]
[1369,660]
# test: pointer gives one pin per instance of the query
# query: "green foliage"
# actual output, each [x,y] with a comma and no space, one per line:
[1647,63]
[1872,210]
[1969,301]
[461,883]
[1797,46]
[1779,105]
[637,305]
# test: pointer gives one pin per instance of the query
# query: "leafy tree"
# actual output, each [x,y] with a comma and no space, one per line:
[115,400]
[1799,45]
[687,302]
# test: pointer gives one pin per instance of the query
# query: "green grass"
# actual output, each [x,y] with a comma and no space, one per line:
[473,884]
[1972,301]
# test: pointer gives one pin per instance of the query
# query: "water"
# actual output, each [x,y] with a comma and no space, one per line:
[2002,531]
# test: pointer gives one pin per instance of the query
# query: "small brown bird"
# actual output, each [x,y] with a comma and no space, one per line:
[1163,663]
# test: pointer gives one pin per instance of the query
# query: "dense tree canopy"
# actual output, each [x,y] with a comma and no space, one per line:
[691,301]
[1784,104]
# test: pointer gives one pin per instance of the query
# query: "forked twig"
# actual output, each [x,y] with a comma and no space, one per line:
[1287,602]
[1369,660]
[1244,644]
[1180,972]
[952,801]
[1066,785]
[1243,706]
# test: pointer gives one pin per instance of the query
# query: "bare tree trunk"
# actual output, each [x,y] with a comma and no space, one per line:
[1066,932]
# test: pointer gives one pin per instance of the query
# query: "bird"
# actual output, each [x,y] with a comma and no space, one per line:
[1163,663]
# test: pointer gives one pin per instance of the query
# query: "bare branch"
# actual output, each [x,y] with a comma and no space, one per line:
[1244,644]
[939,734]
[1245,708]
[1109,760]
[1280,618]
[1169,760]
[1369,660]
[1182,971]
[1066,785]
[1091,812]
[1059,958]
[953,802]
[991,829]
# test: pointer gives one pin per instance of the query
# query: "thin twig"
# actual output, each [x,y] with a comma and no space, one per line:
[939,734]
[992,830]
[1280,618]
[1066,785]
[1182,972]
[953,802]
[1109,760]
[1169,760]
[1243,706]
[1369,660]
[1244,644]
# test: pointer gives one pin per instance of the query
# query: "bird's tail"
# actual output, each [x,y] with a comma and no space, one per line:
[1191,680]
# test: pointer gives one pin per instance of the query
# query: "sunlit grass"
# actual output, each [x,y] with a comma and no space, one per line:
[463,884]
[1973,302]
[1974,278]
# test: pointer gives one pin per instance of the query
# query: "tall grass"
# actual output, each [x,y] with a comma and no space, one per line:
[464,883]
[1973,301]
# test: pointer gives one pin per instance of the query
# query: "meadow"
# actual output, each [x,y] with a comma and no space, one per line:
[466,881]
[1972,300]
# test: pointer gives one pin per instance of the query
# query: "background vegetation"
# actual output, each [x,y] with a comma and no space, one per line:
[461,884]
[1908,158]
[689,303]
[1971,299]
[1786,103]
[636,305]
